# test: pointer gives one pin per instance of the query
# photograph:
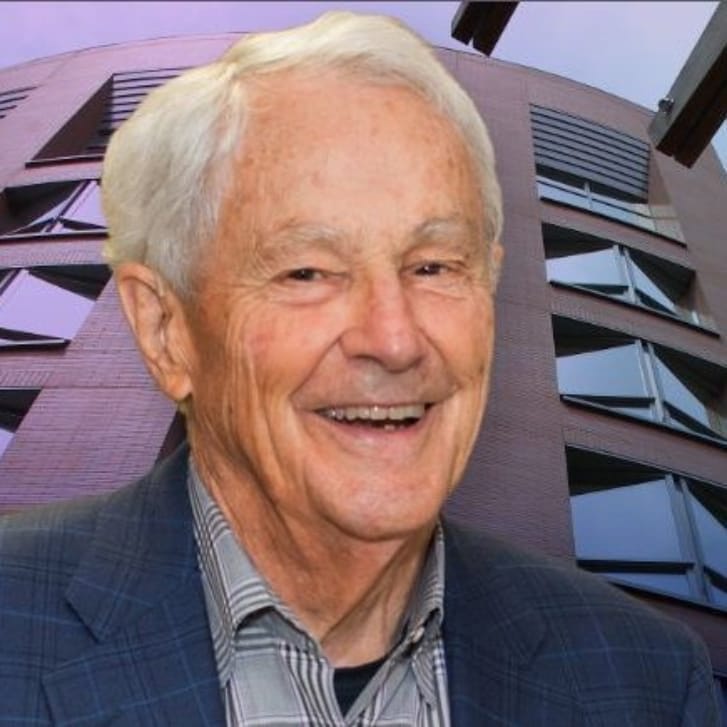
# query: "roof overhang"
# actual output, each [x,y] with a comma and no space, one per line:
[482,23]
[696,105]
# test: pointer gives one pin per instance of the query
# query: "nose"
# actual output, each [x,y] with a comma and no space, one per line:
[383,326]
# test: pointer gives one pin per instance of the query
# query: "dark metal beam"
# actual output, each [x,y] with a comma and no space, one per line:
[482,23]
[696,105]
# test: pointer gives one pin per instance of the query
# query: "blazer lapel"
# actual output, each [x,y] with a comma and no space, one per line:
[491,636]
[139,593]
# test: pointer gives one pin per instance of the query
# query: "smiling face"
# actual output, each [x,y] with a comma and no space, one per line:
[341,333]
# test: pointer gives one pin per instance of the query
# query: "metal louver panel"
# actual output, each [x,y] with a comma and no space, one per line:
[590,151]
[10,99]
[128,90]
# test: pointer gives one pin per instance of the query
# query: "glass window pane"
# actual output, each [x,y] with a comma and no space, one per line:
[645,222]
[44,223]
[650,293]
[687,424]
[5,437]
[633,522]
[561,194]
[675,583]
[679,395]
[33,305]
[629,206]
[41,209]
[610,210]
[589,268]
[622,213]
[85,212]
[709,508]
[614,371]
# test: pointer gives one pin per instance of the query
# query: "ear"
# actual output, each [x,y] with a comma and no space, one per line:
[158,322]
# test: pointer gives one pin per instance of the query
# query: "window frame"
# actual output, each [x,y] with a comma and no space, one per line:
[693,564]
[80,190]
[648,355]
[15,403]
[625,261]
[16,338]
[598,203]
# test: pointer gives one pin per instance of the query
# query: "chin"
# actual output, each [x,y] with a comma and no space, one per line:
[399,514]
[380,532]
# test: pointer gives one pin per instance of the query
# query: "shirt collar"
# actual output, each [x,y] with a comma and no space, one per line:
[235,590]
[425,611]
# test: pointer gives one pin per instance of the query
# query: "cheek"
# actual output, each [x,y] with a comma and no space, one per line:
[273,350]
[462,333]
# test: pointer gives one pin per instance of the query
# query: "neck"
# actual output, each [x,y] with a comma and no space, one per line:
[350,594]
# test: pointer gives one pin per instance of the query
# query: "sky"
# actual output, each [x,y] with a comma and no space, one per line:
[632,49]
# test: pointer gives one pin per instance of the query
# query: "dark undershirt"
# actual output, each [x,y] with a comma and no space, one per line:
[350,681]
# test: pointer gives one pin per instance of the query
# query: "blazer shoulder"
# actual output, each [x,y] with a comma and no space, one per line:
[100,586]
[556,588]
[554,635]
[40,550]
[48,536]
[583,637]
[58,534]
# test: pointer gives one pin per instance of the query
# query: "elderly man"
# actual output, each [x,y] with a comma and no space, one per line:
[305,242]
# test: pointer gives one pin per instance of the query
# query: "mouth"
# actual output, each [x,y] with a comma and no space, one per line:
[388,418]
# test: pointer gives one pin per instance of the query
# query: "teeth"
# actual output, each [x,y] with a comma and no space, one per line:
[379,413]
[375,413]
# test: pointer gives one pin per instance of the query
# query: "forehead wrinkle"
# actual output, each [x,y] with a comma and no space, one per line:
[290,239]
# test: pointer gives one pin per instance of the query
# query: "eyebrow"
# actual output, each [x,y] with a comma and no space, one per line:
[294,235]
[445,227]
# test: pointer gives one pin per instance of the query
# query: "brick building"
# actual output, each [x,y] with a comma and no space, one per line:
[606,436]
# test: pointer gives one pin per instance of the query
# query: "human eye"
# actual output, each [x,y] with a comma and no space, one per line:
[442,269]
[304,275]
[450,274]
[302,284]
[431,268]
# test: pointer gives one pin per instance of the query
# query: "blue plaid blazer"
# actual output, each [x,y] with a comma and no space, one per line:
[103,622]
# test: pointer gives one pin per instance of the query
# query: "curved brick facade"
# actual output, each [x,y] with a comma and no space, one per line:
[97,421]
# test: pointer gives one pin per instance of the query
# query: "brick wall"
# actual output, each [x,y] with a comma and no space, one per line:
[99,422]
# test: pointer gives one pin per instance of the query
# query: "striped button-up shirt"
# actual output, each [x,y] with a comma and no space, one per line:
[272,672]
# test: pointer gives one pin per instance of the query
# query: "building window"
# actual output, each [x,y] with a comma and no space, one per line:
[642,526]
[86,135]
[55,208]
[593,264]
[616,372]
[590,166]
[14,405]
[46,305]
[128,90]
[585,195]
[10,99]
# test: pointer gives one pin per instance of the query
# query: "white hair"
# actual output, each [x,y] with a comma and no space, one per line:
[167,167]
